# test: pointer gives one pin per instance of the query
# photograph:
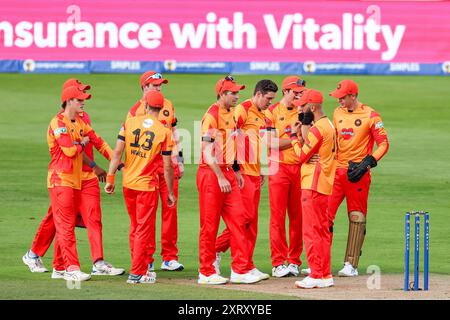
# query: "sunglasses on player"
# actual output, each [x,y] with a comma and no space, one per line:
[227,78]
[154,76]
[299,82]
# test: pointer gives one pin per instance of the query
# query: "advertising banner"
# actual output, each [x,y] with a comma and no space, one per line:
[253,36]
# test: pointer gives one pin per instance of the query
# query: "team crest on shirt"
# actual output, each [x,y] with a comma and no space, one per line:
[358,122]
[147,123]
[166,113]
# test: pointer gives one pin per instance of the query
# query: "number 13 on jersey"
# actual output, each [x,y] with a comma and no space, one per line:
[148,143]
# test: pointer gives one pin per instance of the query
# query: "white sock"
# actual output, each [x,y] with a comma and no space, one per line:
[32,255]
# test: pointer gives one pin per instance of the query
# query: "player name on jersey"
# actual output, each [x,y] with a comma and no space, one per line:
[139,153]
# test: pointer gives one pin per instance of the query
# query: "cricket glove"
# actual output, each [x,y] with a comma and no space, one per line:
[356,170]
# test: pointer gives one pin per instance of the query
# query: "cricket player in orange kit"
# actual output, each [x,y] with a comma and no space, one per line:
[317,136]
[251,124]
[218,187]
[89,209]
[284,183]
[358,128]
[67,137]
[152,81]
[144,139]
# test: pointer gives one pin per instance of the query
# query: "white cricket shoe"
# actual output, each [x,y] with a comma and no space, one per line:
[58,274]
[35,264]
[348,271]
[212,279]
[310,283]
[148,278]
[293,269]
[280,271]
[216,263]
[246,278]
[306,271]
[327,282]
[103,268]
[172,265]
[76,275]
[151,267]
[259,274]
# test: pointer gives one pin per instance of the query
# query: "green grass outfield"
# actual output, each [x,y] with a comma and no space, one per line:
[415,174]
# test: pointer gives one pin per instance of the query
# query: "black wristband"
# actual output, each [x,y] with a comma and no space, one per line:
[236,166]
[92,164]
[120,166]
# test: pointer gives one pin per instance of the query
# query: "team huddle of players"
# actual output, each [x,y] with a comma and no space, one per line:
[314,162]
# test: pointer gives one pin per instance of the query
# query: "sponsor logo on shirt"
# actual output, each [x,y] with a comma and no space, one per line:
[60,130]
[147,123]
[347,133]
[379,125]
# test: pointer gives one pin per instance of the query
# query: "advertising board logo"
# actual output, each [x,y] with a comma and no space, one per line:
[446,67]
[170,65]
[29,65]
[309,66]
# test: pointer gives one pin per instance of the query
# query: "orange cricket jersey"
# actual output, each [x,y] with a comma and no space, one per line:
[146,139]
[357,132]
[321,139]
[99,144]
[252,124]
[63,138]
[219,127]
[282,118]
[166,115]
